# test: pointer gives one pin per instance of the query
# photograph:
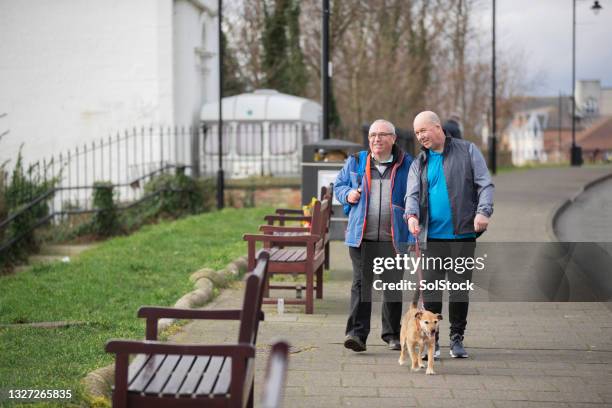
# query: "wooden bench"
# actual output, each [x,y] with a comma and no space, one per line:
[284,215]
[192,375]
[276,374]
[286,258]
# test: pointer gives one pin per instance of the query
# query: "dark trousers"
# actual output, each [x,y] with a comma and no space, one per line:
[358,323]
[458,300]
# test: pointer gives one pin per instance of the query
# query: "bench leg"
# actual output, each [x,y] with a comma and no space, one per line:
[251,400]
[266,290]
[320,282]
[327,256]
[309,290]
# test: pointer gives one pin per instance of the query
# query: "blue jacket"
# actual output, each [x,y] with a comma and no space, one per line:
[347,181]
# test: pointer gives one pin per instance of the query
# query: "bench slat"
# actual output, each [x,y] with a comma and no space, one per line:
[163,374]
[178,376]
[210,376]
[279,255]
[297,255]
[289,255]
[136,365]
[146,374]
[225,378]
[191,382]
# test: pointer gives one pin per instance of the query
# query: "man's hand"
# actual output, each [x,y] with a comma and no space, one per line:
[354,196]
[481,222]
[413,226]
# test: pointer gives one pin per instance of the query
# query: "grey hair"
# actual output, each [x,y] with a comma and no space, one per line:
[385,122]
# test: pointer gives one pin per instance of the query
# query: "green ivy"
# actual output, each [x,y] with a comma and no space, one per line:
[24,187]
[105,223]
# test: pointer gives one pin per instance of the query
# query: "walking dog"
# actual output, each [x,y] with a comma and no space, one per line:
[419,328]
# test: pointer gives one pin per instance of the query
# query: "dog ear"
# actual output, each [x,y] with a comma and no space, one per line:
[440,317]
[418,315]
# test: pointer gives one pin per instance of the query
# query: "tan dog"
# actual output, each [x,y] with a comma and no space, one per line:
[419,328]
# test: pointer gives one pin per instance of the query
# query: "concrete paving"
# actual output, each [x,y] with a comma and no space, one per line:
[521,354]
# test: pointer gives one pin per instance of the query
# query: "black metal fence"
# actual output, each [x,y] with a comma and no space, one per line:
[249,149]
[37,216]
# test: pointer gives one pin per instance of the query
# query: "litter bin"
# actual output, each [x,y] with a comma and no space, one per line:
[321,163]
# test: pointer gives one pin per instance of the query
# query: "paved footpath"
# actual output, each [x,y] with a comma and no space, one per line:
[521,354]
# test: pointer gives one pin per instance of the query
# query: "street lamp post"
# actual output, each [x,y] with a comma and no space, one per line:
[493,137]
[220,178]
[576,151]
[325,69]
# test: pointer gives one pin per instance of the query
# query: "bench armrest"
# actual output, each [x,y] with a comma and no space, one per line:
[281,211]
[283,218]
[305,239]
[157,347]
[269,229]
[153,313]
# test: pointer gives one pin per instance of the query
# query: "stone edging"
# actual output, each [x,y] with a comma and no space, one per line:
[97,384]
[557,211]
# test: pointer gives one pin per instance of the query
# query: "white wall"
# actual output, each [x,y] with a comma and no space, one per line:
[195,57]
[72,71]
[605,107]
[527,141]
[588,96]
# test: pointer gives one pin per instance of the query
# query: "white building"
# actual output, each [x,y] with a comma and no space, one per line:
[74,71]
[540,129]
[593,100]
[526,137]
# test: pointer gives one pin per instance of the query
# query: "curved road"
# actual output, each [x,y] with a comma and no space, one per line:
[589,217]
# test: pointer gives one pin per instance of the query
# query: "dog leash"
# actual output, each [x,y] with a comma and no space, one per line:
[417,253]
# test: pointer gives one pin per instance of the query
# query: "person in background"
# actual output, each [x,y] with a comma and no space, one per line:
[452,127]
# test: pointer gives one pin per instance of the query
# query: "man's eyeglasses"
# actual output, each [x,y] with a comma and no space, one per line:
[381,135]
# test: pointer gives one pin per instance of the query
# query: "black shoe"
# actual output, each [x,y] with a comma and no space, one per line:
[394,344]
[354,343]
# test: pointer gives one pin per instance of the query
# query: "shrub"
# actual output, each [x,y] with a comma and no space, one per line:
[180,194]
[23,189]
[105,223]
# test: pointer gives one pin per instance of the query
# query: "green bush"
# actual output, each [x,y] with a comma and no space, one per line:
[25,186]
[105,223]
[179,194]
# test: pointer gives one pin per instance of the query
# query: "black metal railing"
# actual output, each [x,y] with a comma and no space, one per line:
[52,215]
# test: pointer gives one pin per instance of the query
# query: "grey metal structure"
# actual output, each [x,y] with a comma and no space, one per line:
[321,162]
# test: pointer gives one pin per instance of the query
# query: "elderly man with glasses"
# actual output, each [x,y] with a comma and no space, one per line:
[375,226]
[448,204]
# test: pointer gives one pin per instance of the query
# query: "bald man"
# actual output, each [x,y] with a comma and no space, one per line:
[449,199]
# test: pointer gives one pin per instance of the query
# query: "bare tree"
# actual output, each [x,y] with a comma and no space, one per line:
[392,59]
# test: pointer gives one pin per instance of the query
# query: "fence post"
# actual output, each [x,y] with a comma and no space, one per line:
[3,209]
[195,150]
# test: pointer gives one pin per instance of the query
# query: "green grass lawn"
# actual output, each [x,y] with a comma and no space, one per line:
[104,287]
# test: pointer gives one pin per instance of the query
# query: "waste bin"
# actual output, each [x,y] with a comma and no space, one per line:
[321,163]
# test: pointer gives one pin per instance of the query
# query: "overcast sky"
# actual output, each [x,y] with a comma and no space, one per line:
[542,31]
